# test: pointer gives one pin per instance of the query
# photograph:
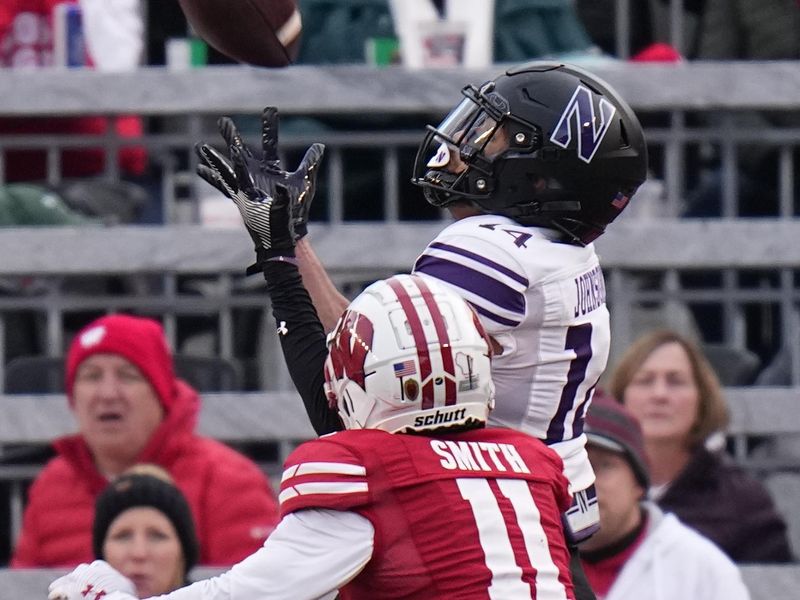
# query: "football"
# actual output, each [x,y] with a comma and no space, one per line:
[258,32]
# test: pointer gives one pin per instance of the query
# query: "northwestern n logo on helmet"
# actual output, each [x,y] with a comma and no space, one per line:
[580,112]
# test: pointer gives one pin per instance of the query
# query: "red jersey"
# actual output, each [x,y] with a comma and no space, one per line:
[473,515]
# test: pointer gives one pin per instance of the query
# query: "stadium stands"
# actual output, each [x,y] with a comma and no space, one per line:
[738,275]
[31,421]
[741,276]
[765,582]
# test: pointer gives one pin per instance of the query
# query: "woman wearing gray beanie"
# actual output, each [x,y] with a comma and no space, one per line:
[144,528]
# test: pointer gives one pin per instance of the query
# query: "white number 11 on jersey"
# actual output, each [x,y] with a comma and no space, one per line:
[507,582]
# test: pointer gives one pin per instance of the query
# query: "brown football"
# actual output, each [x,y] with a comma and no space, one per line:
[258,32]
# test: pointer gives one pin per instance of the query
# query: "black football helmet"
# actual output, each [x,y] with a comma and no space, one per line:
[545,143]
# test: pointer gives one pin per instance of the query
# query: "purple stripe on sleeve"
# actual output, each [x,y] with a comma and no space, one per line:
[483,260]
[494,317]
[472,281]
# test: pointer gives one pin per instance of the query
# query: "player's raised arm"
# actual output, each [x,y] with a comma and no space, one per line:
[328,300]
[273,204]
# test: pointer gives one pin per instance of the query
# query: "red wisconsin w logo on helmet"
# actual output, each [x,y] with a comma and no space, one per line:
[352,340]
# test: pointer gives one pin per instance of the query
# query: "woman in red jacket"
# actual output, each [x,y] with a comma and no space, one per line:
[131,409]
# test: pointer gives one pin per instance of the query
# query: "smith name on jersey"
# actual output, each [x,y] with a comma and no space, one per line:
[491,497]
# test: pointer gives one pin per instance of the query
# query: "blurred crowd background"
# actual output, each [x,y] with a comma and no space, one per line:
[708,248]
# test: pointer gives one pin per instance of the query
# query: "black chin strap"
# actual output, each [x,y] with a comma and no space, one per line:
[571,237]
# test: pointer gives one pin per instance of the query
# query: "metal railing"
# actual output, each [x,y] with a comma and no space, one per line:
[742,280]
[688,110]
[185,273]
[765,582]
[279,418]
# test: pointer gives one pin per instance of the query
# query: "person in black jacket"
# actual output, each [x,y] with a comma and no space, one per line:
[670,387]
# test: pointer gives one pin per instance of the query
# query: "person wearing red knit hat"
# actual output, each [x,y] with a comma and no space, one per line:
[139,340]
[640,551]
[131,408]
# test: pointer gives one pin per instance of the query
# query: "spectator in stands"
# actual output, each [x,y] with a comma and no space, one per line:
[641,552]
[649,26]
[750,30]
[737,30]
[130,409]
[166,21]
[143,527]
[27,204]
[599,18]
[406,501]
[670,387]
[113,36]
[338,32]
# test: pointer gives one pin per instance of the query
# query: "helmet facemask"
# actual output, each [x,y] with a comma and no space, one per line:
[457,160]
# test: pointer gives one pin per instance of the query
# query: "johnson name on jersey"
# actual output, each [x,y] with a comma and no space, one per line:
[544,303]
[459,516]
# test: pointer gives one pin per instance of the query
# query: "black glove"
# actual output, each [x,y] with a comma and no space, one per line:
[259,192]
[300,183]
[266,170]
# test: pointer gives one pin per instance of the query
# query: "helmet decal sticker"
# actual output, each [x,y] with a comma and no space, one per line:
[444,341]
[441,159]
[590,132]
[405,368]
[410,390]
[420,341]
[423,356]
[351,343]
[621,201]
[465,364]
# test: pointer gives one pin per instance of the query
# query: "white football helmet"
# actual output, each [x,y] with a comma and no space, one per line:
[409,354]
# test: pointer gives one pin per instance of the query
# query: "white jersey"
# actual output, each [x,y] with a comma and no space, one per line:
[544,302]
[675,561]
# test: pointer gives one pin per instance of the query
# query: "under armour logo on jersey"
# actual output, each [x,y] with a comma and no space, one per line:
[282,329]
[590,132]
